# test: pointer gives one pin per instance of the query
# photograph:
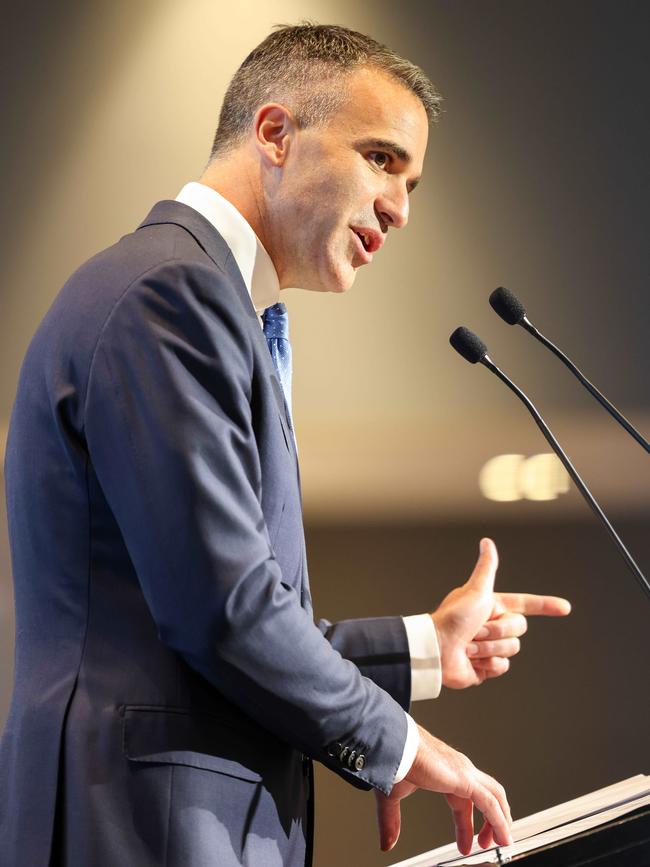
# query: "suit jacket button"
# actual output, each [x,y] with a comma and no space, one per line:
[343,755]
[360,762]
[334,750]
[351,759]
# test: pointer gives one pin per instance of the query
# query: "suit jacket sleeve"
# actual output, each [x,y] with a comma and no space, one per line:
[379,648]
[169,430]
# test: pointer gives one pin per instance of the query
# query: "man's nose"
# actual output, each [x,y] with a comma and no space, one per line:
[393,207]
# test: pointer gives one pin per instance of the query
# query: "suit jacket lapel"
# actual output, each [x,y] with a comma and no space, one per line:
[211,242]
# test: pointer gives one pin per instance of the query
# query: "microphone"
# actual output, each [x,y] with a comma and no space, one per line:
[472,348]
[506,305]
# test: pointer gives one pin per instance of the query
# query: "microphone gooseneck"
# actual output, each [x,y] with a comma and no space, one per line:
[465,342]
[506,305]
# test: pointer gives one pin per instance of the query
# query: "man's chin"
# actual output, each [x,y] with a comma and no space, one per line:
[336,285]
[333,279]
[343,280]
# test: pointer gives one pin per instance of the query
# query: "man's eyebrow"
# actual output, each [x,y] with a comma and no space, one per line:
[382,144]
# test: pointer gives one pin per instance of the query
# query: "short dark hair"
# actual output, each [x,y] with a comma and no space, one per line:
[304,67]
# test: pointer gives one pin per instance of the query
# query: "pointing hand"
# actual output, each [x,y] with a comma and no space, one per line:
[479,630]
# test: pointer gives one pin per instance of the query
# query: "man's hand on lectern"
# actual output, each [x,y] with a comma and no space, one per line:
[440,768]
[479,630]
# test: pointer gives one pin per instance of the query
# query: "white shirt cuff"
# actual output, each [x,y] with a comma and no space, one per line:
[426,671]
[410,749]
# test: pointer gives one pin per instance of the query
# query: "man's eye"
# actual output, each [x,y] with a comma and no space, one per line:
[380,159]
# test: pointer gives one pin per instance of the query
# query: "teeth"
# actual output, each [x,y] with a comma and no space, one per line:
[365,239]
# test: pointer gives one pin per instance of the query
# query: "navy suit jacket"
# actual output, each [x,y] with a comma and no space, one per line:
[171,687]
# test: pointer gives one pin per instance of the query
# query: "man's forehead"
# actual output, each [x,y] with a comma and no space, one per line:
[381,108]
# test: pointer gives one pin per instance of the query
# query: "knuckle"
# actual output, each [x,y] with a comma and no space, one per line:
[463,785]
[490,805]
[495,788]
[465,767]
[467,776]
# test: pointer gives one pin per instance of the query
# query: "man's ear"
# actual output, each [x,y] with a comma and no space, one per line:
[274,127]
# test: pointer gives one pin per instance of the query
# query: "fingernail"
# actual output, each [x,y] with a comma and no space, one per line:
[472,649]
[483,632]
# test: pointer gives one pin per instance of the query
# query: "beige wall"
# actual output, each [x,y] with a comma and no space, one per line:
[534,179]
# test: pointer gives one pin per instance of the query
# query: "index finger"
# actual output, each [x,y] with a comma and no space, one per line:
[531,604]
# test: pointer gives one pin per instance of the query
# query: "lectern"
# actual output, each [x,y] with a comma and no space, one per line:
[606,828]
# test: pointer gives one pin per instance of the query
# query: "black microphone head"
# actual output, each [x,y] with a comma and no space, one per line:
[506,304]
[468,344]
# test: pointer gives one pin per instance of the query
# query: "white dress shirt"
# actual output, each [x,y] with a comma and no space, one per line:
[261,279]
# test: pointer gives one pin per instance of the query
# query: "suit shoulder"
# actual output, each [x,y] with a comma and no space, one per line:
[183,291]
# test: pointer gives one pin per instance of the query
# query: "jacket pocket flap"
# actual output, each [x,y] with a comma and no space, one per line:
[163,735]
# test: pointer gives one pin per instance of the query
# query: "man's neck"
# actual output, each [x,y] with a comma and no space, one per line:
[234,180]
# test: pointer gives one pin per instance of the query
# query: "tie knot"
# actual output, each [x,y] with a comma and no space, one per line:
[275,321]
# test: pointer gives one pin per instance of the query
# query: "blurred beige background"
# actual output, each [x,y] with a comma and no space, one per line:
[536,178]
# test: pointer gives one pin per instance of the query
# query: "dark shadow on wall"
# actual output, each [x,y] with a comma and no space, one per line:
[545,108]
[45,86]
[55,60]
[572,715]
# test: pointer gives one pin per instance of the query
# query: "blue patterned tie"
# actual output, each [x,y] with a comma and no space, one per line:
[275,321]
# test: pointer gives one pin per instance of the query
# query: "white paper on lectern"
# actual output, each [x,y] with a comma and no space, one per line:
[548,826]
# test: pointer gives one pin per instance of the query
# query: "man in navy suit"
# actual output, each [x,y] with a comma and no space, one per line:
[171,687]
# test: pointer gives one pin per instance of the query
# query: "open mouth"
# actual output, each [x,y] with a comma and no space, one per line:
[364,238]
[363,246]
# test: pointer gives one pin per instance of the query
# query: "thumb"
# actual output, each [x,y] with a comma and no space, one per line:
[389,821]
[482,578]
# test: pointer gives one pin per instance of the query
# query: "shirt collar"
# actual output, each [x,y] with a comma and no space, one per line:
[254,263]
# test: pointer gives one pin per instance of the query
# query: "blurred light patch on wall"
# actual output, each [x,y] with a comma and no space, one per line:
[392,468]
[506,478]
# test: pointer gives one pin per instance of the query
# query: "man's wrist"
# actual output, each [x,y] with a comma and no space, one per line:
[443,640]
[411,746]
